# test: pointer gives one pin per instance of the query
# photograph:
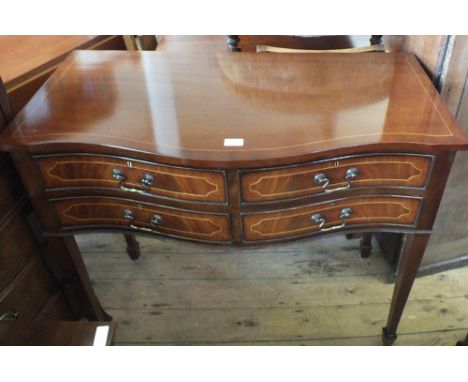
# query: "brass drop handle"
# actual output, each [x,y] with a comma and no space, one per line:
[322,179]
[154,221]
[146,182]
[9,316]
[320,220]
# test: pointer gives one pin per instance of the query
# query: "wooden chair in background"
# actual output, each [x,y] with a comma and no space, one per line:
[141,42]
[238,43]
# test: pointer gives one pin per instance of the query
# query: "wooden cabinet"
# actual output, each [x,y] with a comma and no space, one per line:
[53,333]
[33,285]
[29,291]
[18,247]
[28,286]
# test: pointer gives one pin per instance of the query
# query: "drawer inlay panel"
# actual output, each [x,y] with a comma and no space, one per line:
[297,221]
[371,171]
[98,171]
[92,212]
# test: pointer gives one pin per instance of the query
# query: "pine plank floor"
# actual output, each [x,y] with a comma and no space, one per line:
[308,293]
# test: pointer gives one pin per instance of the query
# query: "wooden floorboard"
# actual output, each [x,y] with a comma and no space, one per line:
[435,338]
[309,293]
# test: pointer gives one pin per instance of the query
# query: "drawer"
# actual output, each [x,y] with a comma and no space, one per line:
[131,176]
[57,308]
[17,247]
[10,186]
[144,217]
[331,216]
[336,175]
[29,291]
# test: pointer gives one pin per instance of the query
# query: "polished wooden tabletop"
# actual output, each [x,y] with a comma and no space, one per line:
[278,107]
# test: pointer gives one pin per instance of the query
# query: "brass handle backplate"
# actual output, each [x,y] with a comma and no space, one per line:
[322,180]
[320,220]
[146,182]
[154,221]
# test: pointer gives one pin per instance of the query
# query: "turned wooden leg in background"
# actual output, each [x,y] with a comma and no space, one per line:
[376,39]
[233,43]
[133,248]
[366,245]
[412,252]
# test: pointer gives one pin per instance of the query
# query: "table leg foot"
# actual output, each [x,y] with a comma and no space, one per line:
[388,338]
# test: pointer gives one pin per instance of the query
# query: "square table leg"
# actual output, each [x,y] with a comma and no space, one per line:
[412,252]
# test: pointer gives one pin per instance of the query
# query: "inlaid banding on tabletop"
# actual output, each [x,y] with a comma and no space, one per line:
[327,102]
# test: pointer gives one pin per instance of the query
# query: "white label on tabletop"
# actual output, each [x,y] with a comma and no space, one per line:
[100,338]
[233,142]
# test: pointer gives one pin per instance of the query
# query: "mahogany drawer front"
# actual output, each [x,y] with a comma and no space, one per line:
[332,215]
[29,291]
[112,212]
[133,176]
[342,173]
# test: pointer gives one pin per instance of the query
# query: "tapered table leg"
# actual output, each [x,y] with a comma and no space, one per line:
[412,252]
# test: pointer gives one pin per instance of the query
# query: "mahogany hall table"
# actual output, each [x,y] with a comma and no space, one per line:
[238,149]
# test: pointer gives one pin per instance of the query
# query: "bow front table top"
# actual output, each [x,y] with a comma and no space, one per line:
[239,149]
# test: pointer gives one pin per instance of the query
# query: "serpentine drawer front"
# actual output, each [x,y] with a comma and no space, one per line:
[331,216]
[336,174]
[132,176]
[113,213]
